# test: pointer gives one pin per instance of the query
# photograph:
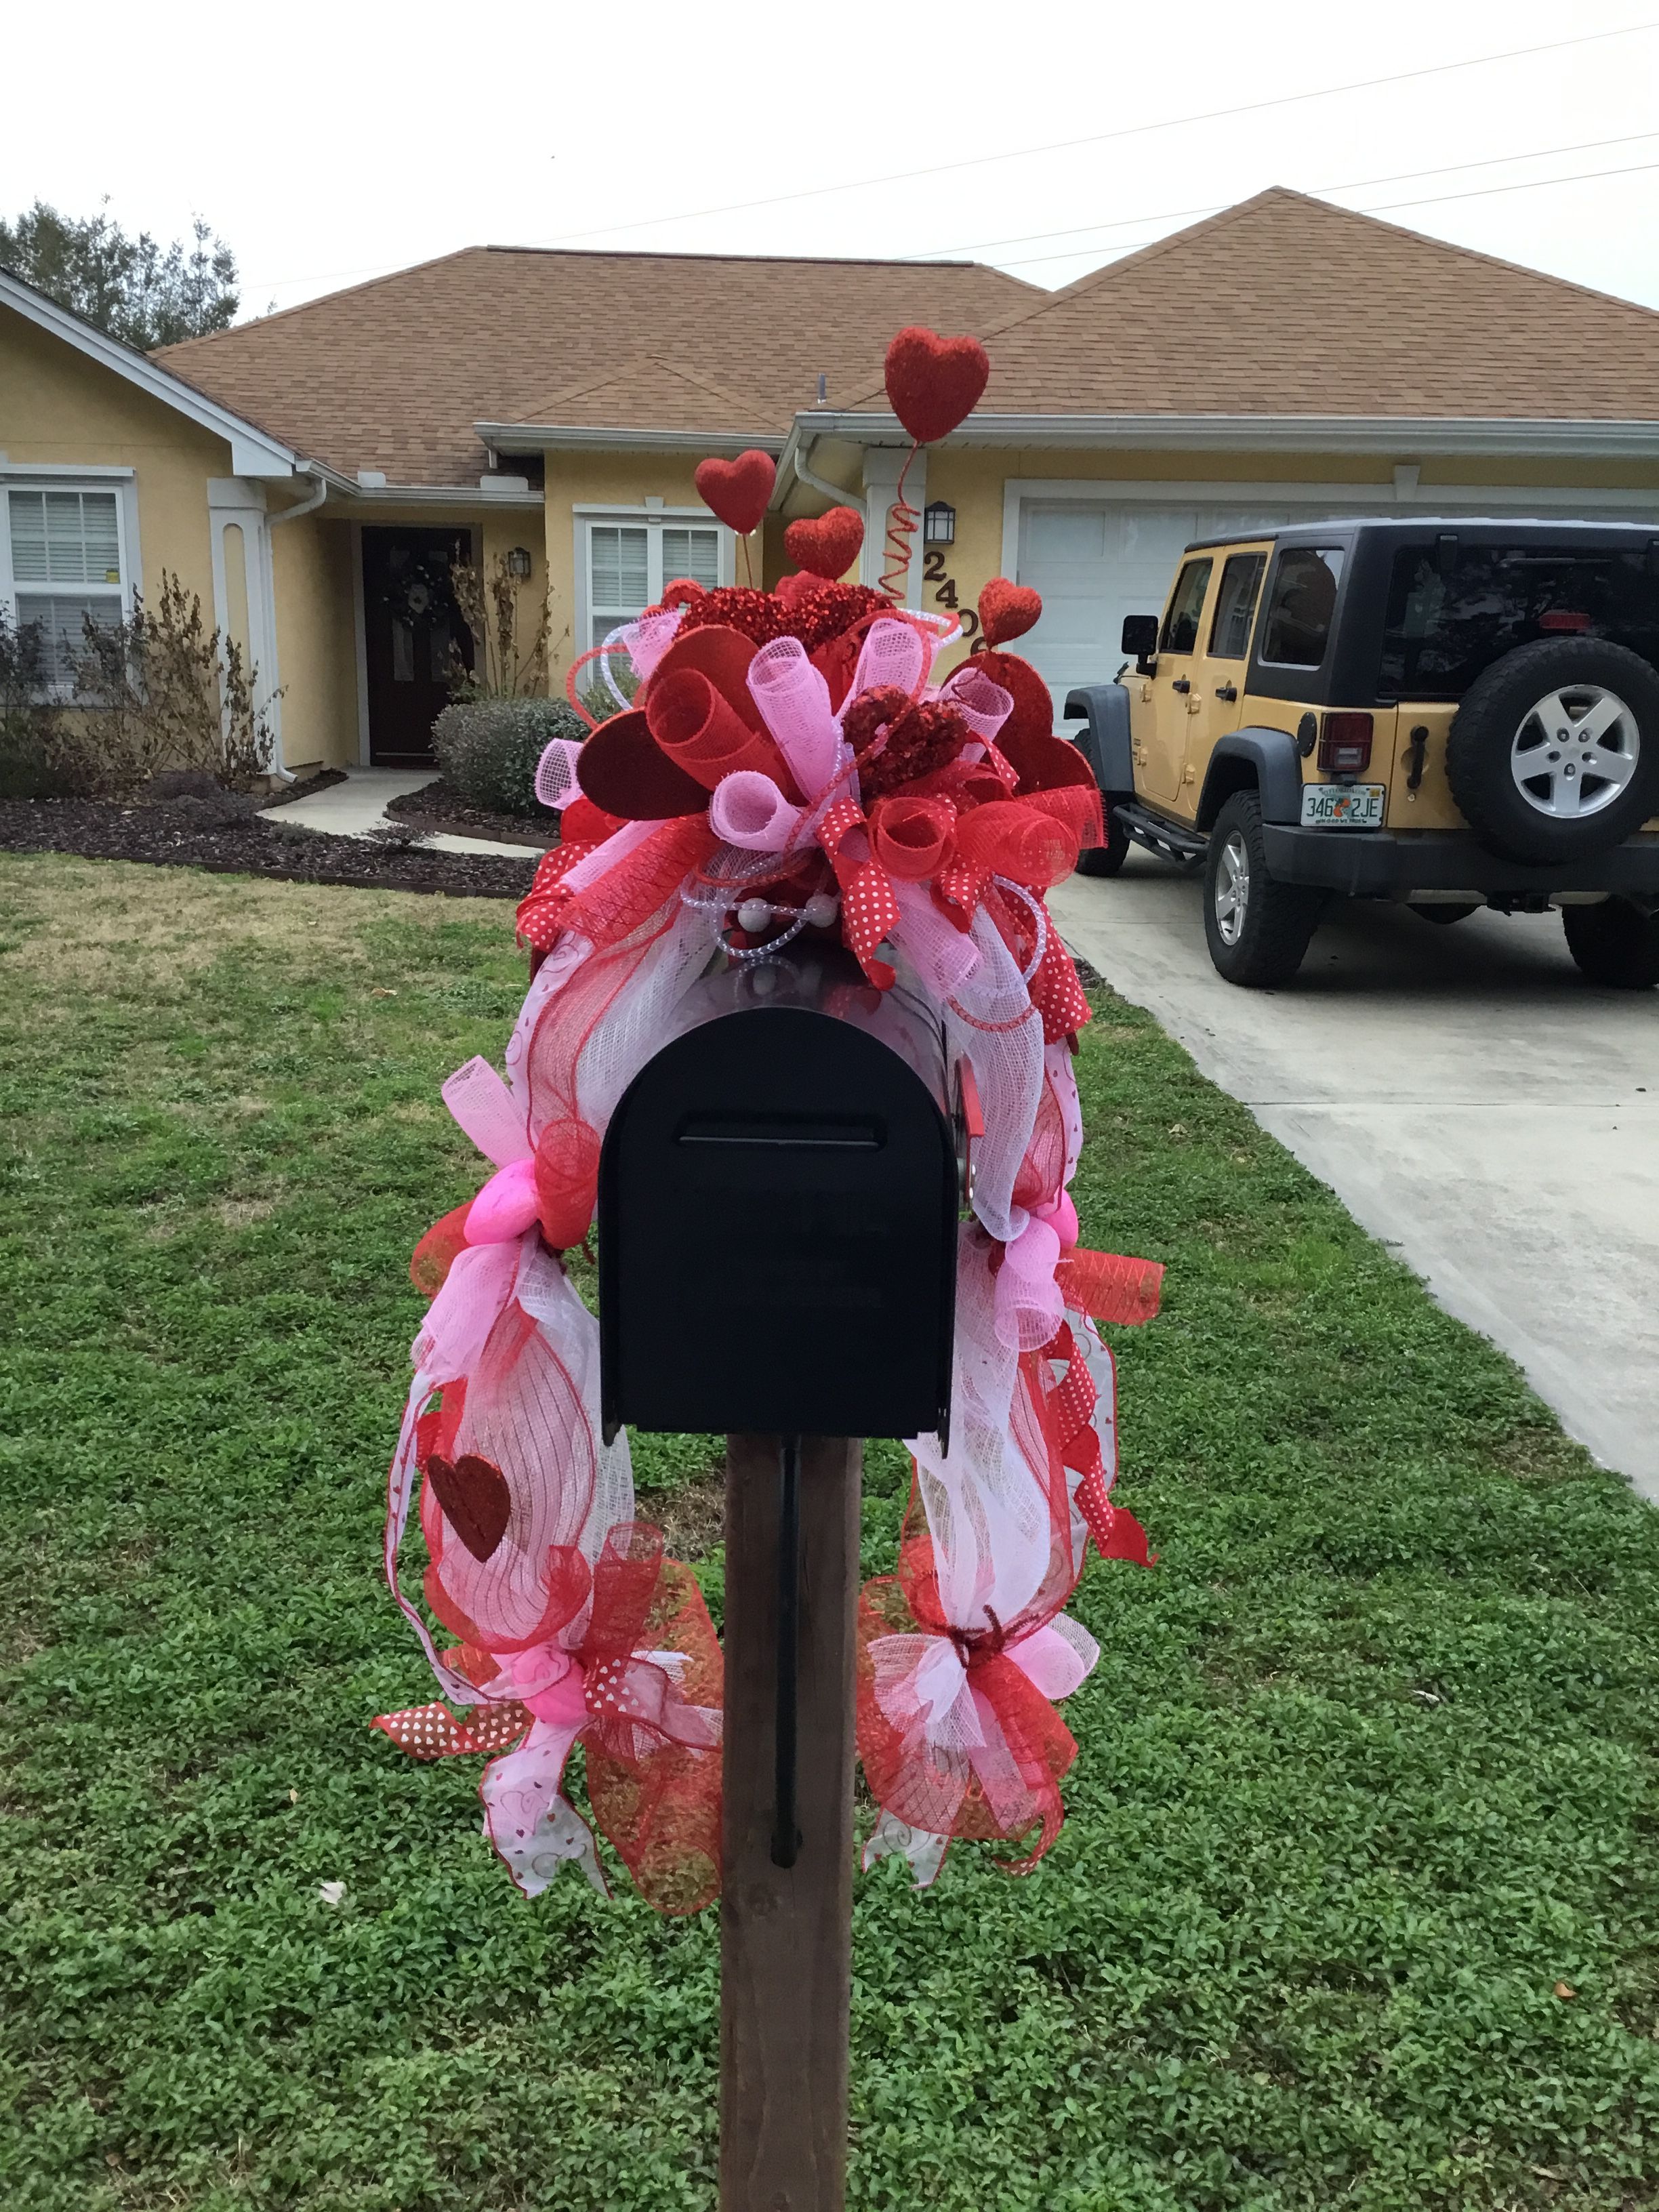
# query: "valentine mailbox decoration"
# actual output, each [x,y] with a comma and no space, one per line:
[798,910]
[778,1205]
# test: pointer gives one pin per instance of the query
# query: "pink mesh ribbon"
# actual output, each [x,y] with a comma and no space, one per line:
[793,700]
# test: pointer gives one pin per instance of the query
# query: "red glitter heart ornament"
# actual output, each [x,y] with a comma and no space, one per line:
[827,544]
[1034,707]
[737,491]
[474,1496]
[934,383]
[1008,610]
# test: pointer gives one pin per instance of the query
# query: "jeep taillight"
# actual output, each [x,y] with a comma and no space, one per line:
[1345,744]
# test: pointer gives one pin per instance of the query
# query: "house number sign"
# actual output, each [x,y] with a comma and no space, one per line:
[933,569]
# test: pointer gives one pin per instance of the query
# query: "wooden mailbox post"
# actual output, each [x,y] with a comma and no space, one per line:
[778,1196]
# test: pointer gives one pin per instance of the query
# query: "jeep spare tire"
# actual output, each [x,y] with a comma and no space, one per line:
[1554,754]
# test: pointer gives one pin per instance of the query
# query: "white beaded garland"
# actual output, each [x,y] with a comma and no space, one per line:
[754,913]
[821,909]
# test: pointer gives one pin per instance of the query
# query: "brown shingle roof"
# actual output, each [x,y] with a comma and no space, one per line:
[1284,305]
[647,393]
[392,374]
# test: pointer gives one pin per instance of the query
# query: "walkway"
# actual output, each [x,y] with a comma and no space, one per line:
[356,808]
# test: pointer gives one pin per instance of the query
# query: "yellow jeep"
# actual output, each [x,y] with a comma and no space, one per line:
[1448,714]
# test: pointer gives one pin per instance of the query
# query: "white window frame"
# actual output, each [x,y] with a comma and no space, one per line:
[655,518]
[67,477]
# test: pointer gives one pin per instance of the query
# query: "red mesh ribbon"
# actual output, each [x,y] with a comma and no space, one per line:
[1015,838]
[438,1251]
[541,916]
[1077,808]
[911,837]
[653,1774]
[566,1180]
[633,889]
[869,909]
[701,733]
[1110,1286]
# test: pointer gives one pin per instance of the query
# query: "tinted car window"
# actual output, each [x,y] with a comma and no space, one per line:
[1448,620]
[1297,626]
[1235,604]
[1180,631]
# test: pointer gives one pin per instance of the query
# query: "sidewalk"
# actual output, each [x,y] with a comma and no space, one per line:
[356,808]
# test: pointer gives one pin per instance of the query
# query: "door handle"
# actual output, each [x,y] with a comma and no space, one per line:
[1181,683]
[1226,691]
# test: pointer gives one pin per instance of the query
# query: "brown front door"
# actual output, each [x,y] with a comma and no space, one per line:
[411,634]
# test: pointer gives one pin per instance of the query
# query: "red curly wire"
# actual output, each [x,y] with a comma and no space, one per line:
[901,520]
[595,653]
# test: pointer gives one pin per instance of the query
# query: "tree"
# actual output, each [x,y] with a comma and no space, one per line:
[142,293]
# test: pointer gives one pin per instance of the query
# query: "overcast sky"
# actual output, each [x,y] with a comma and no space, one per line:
[329,143]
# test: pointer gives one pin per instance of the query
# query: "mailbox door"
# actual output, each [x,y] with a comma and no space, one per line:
[777,1234]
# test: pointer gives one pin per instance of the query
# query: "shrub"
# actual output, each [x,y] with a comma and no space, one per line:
[488,749]
[168,692]
[30,720]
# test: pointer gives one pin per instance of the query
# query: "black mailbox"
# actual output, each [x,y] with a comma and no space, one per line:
[778,1207]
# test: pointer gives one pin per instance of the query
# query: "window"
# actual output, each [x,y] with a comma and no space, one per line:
[65,552]
[1180,631]
[1449,618]
[1235,605]
[629,563]
[1298,623]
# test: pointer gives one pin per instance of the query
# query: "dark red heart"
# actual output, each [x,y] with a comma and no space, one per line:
[475,1498]
[737,491]
[934,383]
[1008,610]
[826,545]
[1045,763]
[623,770]
[1034,707]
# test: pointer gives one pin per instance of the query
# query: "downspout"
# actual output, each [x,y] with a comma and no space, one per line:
[307,505]
[833,492]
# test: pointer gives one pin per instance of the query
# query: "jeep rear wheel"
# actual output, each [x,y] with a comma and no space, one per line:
[1554,754]
[1257,927]
[1614,943]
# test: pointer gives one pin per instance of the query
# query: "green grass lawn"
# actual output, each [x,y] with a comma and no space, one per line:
[1367,1782]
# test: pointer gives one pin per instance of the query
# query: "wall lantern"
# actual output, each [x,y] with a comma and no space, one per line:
[938,524]
[519,562]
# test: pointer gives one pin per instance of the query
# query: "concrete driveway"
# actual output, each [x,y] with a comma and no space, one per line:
[1470,1099]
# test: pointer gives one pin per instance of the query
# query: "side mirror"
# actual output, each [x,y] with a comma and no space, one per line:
[1139,635]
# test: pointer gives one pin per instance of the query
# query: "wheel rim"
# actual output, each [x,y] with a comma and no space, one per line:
[1575,751]
[1232,889]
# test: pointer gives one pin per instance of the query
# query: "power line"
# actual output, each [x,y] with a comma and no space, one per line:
[1433,199]
[1029,153]
[1214,207]
[1100,137]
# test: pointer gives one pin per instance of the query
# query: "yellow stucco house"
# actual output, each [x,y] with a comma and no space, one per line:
[310,473]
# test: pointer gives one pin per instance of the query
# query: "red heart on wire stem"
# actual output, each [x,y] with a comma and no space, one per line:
[1008,610]
[474,1496]
[737,491]
[934,383]
[827,544]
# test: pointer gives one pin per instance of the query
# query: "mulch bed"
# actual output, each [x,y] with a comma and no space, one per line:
[225,836]
[439,807]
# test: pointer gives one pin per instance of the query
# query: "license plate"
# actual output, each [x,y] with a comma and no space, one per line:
[1342,805]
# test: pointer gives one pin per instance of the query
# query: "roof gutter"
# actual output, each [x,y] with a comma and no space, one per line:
[1516,436]
[516,436]
[309,505]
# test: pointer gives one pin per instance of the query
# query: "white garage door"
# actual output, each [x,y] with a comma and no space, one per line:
[1095,564]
